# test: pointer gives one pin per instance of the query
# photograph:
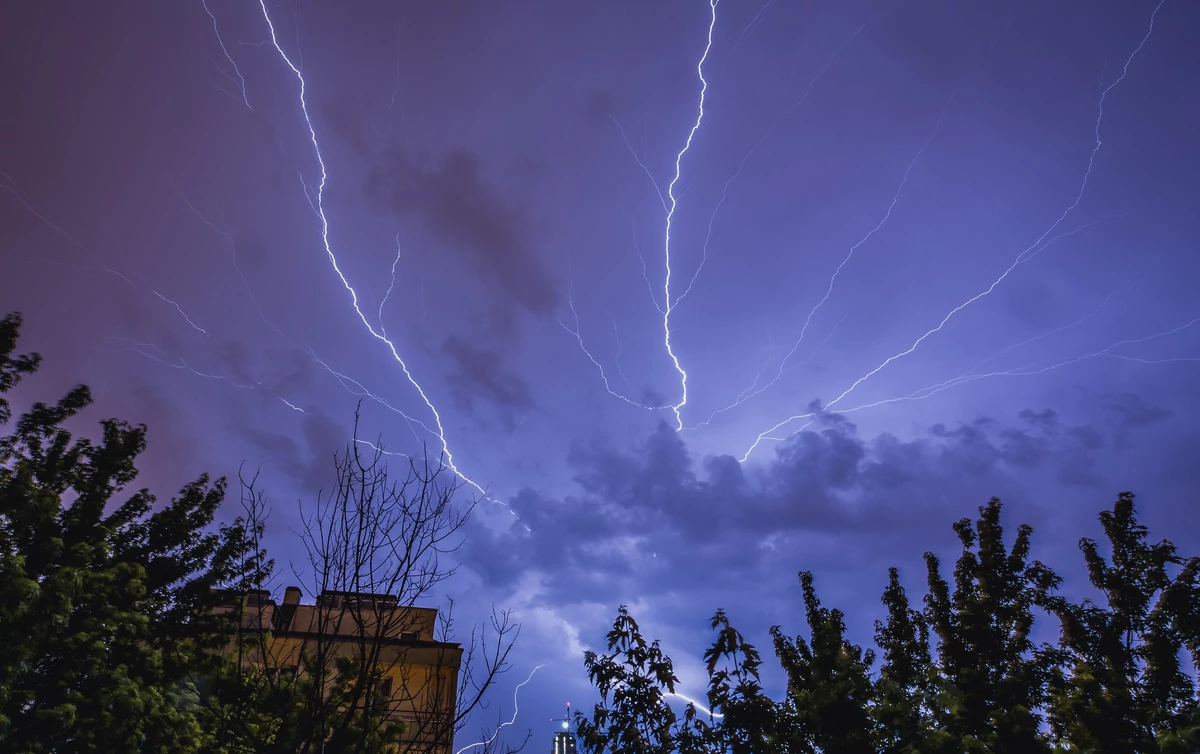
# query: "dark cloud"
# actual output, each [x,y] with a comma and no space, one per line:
[1129,411]
[307,460]
[475,217]
[655,519]
[479,373]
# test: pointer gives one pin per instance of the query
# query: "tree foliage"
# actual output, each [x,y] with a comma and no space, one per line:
[103,602]
[962,674]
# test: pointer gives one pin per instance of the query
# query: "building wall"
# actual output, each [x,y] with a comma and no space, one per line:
[420,674]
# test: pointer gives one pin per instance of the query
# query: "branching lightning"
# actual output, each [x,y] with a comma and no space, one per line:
[10,186]
[137,346]
[1029,370]
[1031,251]
[380,450]
[591,358]
[319,207]
[617,355]
[747,395]
[347,382]
[241,81]
[667,304]
[640,163]
[233,253]
[391,285]
[510,721]
[725,190]
[182,313]
[645,273]
[753,389]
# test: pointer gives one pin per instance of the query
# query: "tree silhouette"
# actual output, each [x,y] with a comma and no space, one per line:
[961,675]
[1121,686]
[103,603]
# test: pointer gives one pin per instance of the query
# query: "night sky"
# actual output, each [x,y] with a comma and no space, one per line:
[956,239]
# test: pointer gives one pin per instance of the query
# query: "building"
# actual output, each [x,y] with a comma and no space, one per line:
[564,740]
[417,675]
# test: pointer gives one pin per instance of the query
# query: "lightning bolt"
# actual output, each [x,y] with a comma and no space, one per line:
[362,392]
[391,285]
[667,305]
[639,161]
[511,720]
[137,346]
[182,313]
[694,703]
[747,395]
[318,204]
[237,71]
[586,352]
[1030,252]
[1024,371]
[1043,336]
[225,234]
[141,347]
[645,273]
[10,186]
[291,405]
[775,124]
[380,450]
[617,355]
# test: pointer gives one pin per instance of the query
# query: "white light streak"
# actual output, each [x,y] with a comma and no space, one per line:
[512,720]
[318,204]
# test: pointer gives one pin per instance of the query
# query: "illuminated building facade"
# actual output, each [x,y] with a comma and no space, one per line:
[417,675]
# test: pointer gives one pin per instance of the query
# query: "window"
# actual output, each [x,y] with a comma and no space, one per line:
[385,688]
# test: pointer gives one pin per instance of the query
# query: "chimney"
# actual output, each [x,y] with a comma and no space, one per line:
[291,595]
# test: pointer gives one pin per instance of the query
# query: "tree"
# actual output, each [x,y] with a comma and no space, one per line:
[962,675]
[827,707]
[749,719]
[992,681]
[1123,688]
[907,686]
[633,715]
[103,600]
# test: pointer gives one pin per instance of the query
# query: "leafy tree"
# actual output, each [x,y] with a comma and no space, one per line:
[961,675]
[103,603]
[749,719]
[829,684]
[633,716]
[993,682]
[1123,688]
[907,687]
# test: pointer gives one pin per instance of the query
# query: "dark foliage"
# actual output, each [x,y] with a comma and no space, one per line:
[103,603]
[961,675]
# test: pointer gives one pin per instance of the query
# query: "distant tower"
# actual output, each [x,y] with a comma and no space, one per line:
[564,740]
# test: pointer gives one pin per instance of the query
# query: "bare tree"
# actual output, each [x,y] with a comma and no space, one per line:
[369,666]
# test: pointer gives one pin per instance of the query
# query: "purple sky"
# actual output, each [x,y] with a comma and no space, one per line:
[860,171]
